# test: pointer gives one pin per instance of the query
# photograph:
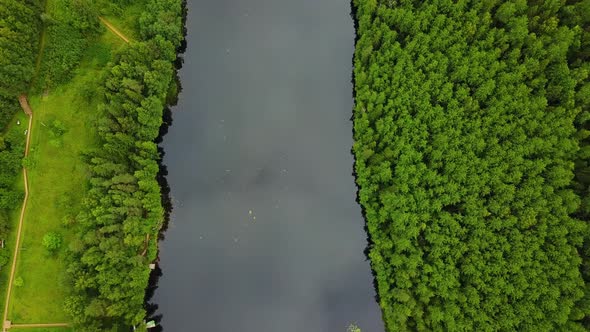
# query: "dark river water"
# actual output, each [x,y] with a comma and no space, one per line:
[265,233]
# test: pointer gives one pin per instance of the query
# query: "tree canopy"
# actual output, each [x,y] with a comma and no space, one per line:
[466,134]
[19,38]
[123,213]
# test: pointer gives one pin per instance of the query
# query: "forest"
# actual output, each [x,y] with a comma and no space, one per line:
[471,142]
[68,33]
[122,214]
[19,35]
[19,39]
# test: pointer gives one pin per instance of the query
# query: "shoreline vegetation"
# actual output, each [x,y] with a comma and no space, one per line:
[19,39]
[122,214]
[92,225]
[471,153]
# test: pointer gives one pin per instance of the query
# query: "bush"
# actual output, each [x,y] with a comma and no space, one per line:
[353,328]
[4,256]
[52,241]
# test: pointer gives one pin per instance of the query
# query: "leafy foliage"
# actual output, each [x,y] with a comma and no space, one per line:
[578,14]
[465,146]
[11,154]
[52,241]
[353,328]
[123,209]
[19,37]
[70,23]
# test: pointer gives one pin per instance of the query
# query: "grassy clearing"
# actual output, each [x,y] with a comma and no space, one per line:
[126,20]
[57,180]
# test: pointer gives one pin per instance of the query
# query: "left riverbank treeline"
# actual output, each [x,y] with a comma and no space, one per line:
[122,213]
[19,38]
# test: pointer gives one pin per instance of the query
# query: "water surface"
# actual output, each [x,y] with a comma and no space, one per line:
[265,234]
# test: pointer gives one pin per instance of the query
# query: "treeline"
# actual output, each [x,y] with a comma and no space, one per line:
[12,148]
[123,211]
[469,118]
[579,59]
[19,38]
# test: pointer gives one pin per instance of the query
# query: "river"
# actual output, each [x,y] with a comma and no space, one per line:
[265,234]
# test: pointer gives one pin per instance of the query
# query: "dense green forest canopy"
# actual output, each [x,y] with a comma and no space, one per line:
[470,120]
[12,146]
[68,32]
[123,211]
[19,38]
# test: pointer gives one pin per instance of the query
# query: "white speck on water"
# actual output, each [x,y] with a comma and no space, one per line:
[228,170]
[249,211]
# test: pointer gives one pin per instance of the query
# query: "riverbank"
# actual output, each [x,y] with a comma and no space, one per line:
[470,138]
[123,208]
[63,131]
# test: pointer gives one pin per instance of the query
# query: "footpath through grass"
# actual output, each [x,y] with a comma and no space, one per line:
[42,329]
[64,126]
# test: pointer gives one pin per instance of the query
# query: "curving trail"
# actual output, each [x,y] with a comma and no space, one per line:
[27,109]
[113,29]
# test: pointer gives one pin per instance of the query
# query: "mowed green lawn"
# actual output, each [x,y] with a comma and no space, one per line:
[57,183]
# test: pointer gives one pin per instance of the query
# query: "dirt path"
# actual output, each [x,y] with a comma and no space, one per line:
[27,110]
[113,29]
[16,326]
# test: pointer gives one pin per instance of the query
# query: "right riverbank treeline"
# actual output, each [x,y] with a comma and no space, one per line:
[122,213]
[471,144]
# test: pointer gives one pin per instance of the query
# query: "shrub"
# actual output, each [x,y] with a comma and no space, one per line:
[52,241]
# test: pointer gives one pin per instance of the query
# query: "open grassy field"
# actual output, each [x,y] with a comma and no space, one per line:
[57,181]
[126,21]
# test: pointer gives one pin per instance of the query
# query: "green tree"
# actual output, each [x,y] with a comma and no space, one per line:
[465,141]
[52,241]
